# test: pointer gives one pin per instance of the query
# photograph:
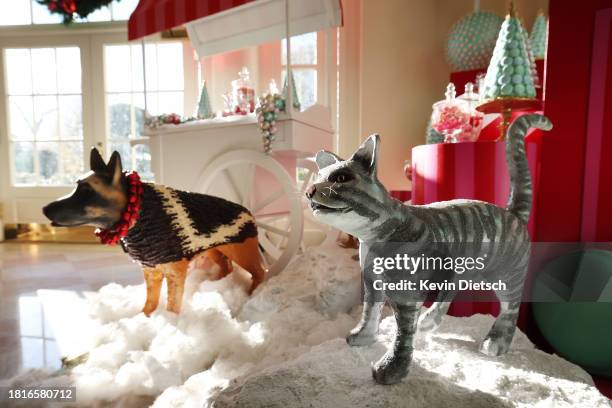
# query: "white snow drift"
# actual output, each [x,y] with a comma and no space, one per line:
[284,347]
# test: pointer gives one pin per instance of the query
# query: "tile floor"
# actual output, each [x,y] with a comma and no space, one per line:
[26,338]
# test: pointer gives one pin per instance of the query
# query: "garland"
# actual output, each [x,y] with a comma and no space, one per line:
[270,105]
[112,235]
[70,9]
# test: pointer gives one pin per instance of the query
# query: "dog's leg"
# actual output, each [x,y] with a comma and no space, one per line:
[246,254]
[176,273]
[153,279]
[224,263]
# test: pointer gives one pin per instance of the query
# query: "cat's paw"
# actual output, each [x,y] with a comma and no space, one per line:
[390,369]
[494,346]
[360,338]
[428,322]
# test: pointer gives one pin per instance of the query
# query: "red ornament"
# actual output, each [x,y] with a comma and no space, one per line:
[112,235]
[69,6]
[52,6]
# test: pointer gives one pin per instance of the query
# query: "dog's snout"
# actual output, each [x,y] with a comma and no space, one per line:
[311,191]
[45,210]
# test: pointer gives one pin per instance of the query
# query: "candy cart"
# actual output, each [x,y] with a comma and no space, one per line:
[224,156]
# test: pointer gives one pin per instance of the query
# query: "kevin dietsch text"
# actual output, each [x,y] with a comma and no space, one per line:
[427,285]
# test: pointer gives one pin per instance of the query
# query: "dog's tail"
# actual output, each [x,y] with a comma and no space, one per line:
[520,199]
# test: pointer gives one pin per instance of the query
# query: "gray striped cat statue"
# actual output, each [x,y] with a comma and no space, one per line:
[347,195]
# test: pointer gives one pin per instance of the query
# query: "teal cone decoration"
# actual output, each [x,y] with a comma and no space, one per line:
[471,40]
[510,72]
[537,40]
[532,64]
[296,100]
[204,109]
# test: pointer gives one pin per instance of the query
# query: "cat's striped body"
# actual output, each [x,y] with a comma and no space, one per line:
[349,196]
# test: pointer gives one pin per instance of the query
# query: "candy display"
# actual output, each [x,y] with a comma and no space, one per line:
[160,228]
[537,39]
[451,116]
[471,40]
[153,122]
[243,92]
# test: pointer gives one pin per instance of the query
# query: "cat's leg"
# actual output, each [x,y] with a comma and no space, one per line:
[365,332]
[500,336]
[431,318]
[394,365]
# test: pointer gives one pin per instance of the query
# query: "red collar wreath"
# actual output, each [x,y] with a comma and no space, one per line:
[112,235]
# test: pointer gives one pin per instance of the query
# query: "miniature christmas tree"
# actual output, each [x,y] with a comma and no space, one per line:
[537,39]
[294,94]
[204,109]
[509,83]
[532,64]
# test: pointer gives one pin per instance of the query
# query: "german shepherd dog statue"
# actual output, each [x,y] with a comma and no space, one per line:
[348,195]
[161,228]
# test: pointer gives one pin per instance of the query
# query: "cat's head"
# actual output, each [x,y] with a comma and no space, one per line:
[346,194]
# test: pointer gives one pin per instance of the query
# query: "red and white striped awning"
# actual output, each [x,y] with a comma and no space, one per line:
[154,16]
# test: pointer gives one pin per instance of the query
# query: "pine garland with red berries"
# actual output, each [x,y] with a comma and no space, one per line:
[70,9]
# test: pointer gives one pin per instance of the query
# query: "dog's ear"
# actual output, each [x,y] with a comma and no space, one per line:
[115,168]
[325,158]
[96,163]
[367,154]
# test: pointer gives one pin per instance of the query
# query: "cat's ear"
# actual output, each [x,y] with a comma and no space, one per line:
[114,167]
[325,158]
[367,154]
[96,163]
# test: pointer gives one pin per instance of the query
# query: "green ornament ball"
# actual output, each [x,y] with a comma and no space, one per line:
[471,40]
[506,90]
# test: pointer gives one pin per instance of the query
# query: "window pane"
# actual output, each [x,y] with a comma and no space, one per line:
[49,162]
[45,118]
[23,163]
[18,71]
[44,73]
[120,115]
[71,154]
[117,68]
[123,9]
[41,15]
[306,85]
[170,66]
[136,68]
[21,118]
[17,14]
[151,67]
[69,70]
[71,117]
[170,102]
[125,150]
[142,161]
[303,49]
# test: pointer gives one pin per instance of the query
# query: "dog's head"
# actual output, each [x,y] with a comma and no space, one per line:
[346,193]
[99,198]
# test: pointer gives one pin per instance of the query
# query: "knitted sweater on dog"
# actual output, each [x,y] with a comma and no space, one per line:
[174,225]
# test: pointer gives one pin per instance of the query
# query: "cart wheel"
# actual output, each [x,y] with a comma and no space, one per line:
[271,197]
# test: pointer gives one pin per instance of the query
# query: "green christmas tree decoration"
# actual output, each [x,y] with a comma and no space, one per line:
[510,73]
[471,40]
[537,40]
[204,109]
[294,95]
[532,64]
[509,84]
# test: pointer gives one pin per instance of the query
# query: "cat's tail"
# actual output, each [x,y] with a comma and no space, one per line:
[519,202]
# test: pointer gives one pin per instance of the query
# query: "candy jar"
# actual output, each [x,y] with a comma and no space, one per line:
[472,128]
[244,93]
[450,116]
[228,104]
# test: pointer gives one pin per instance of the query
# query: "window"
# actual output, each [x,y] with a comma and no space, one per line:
[304,66]
[125,95]
[26,12]
[45,114]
